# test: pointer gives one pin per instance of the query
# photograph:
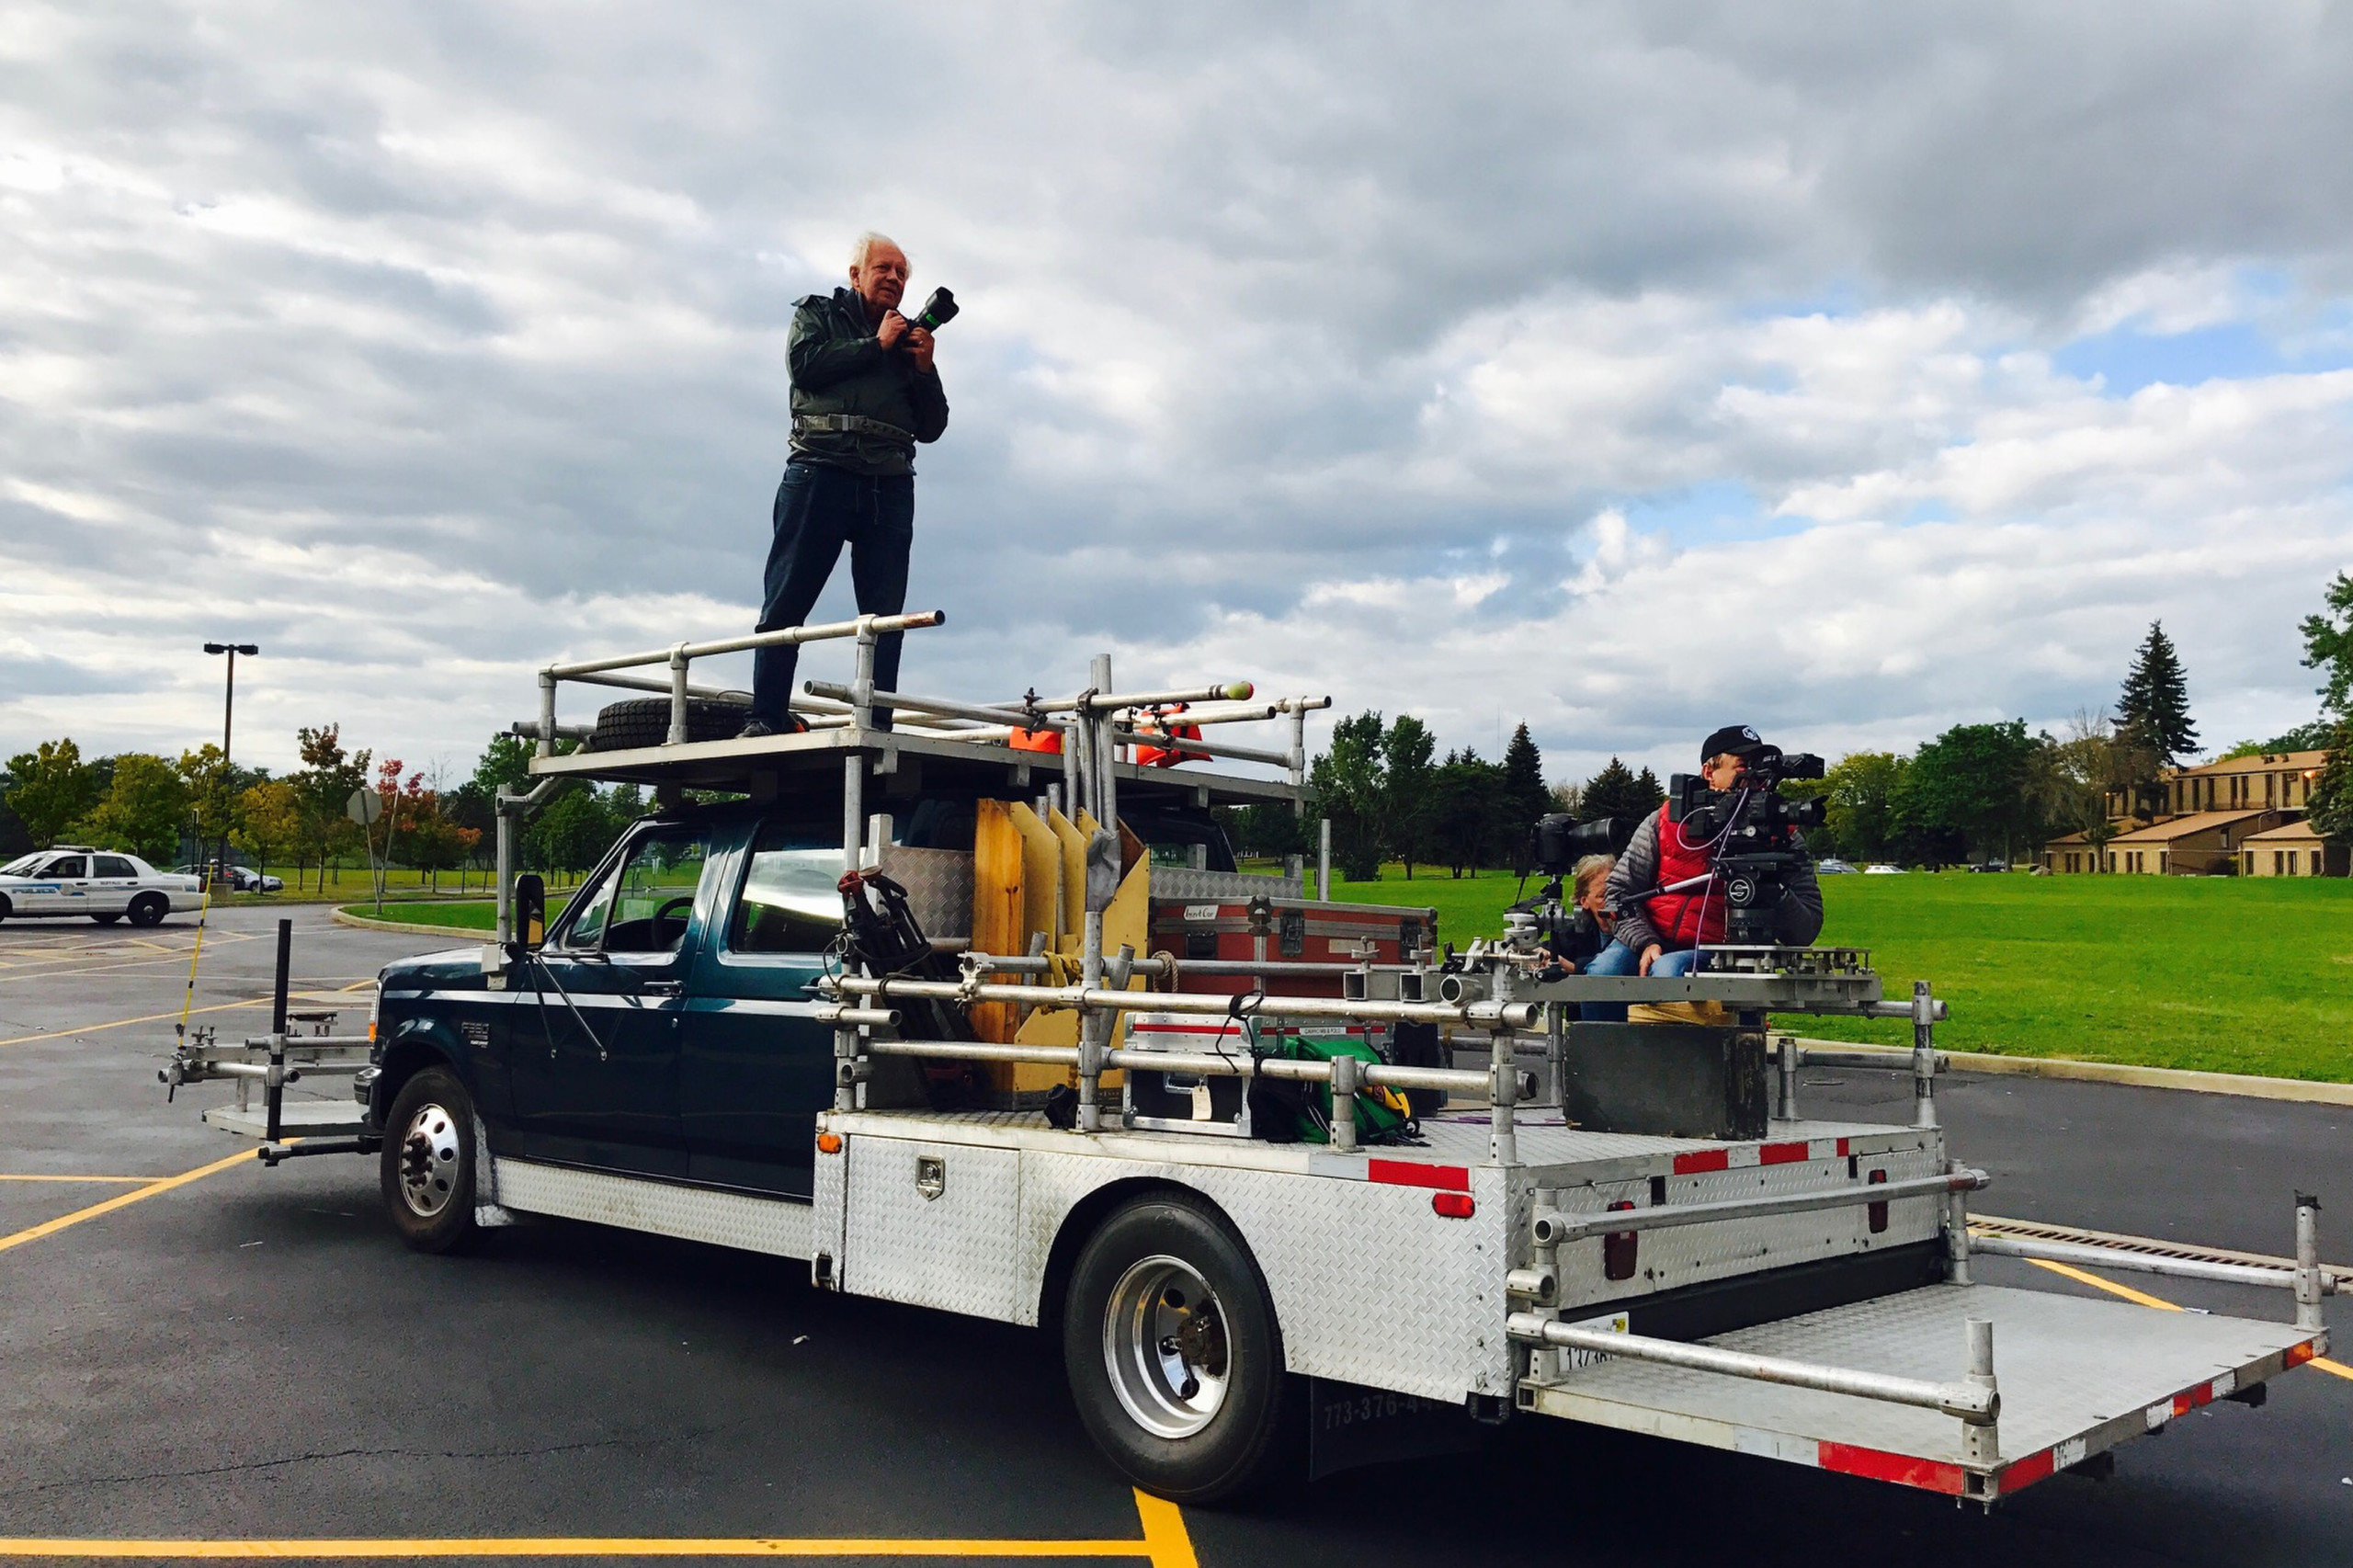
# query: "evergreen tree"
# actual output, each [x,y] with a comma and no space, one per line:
[1466,793]
[1616,792]
[2154,706]
[1524,798]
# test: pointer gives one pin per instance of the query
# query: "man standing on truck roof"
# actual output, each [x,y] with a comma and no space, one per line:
[864,393]
[1662,935]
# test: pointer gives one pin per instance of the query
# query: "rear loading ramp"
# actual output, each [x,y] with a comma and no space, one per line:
[2075,1378]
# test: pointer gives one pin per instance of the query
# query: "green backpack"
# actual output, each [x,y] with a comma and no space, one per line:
[1286,1110]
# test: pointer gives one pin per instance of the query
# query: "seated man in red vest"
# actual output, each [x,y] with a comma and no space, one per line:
[1662,935]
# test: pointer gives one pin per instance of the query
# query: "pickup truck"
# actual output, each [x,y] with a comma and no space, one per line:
[1235,1236]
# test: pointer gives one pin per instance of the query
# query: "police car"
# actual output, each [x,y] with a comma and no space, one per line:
[73,878]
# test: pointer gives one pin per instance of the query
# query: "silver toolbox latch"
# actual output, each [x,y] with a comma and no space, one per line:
[931,1175]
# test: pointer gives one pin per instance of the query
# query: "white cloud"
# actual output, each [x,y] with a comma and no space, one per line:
[420,345]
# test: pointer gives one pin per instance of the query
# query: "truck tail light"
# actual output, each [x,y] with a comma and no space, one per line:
[1878,1210]
[1452,1205]
[1619,1249]
[829,1143]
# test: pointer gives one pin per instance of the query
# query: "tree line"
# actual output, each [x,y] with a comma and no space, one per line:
[1974,791]
[151,806]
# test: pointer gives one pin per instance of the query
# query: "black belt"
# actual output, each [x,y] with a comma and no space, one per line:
[849,425]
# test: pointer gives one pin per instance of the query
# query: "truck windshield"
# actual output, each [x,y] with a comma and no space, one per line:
[791,903]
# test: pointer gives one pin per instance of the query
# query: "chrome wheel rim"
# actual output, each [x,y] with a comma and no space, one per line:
[1165,1345]
[429,1160]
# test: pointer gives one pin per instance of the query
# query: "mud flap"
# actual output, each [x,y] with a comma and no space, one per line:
[1349,1426]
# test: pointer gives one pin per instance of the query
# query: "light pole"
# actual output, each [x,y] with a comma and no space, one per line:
[228,712]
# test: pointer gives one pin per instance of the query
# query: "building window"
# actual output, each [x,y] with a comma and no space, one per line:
[2275,856]
[2161,860]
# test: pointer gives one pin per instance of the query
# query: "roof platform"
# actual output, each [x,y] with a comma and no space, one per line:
[1089,742]
[764,763]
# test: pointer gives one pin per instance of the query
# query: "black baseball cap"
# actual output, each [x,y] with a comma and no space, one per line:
[1733,740]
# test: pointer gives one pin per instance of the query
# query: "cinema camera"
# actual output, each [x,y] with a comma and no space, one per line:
[1555,845]
[1751,827]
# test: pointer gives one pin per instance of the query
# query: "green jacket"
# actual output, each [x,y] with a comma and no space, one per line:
[841,375]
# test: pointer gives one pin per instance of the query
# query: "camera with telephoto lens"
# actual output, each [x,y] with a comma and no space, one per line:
[1555,845]
[1751,830]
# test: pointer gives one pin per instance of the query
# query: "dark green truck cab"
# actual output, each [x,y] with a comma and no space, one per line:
[668,1026]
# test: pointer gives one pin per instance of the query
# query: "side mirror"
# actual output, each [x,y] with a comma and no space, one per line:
[530,909]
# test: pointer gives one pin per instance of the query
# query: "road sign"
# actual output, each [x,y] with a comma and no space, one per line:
[365,807]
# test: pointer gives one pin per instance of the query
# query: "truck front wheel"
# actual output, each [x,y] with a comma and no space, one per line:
[1173,1352]
[427,1165]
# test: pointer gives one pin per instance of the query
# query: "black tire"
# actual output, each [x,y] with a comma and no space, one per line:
[105,919]
[7,908]
[1125,1367]
[149,909]
[645,722]
[427,1169]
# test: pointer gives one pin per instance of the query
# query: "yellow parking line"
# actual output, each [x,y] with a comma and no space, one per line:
[126,1181]
[2337,1367]
[123,1023]
[50,1227]
[1165,1544]
[57,973]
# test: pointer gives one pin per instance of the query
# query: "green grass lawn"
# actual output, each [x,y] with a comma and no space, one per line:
[466,916]
[2226,975]
[2221,974]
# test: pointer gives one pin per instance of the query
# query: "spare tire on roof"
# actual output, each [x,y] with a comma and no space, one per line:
[645,722]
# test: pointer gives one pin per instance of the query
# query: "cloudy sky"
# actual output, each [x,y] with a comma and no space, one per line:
[1855,369]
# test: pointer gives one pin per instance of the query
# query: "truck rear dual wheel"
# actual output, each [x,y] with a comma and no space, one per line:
[1173,1353]
[427,1169]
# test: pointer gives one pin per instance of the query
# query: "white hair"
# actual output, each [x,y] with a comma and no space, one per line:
[865,245]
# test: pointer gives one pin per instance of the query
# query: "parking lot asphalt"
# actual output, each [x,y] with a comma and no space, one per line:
[251,1358]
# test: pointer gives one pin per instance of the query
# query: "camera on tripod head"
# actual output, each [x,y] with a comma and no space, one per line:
[1750,829]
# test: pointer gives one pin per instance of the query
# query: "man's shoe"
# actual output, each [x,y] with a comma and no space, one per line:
[755,728]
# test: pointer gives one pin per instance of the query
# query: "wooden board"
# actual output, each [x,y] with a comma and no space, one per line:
[1000,905]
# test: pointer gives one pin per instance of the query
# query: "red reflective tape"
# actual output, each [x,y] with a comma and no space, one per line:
[1700,1160]
[1780,1153]
[2188,1400]
[1406,1172]
[1930,1475]
[2024,1472]
[1843,1150]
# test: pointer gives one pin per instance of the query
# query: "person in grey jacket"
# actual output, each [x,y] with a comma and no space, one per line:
[864,393]
[1664,935]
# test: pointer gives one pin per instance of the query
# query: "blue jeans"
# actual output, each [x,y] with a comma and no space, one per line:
[1619,958]
[819,511]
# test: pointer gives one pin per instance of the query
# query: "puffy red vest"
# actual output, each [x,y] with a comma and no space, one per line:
[1685,919]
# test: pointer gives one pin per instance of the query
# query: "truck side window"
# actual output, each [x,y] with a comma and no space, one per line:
[643,906]
[790,903]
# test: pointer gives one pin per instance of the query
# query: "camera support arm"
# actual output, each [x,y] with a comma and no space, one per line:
[1685,885]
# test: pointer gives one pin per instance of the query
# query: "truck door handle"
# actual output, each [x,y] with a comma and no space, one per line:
[664,988]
